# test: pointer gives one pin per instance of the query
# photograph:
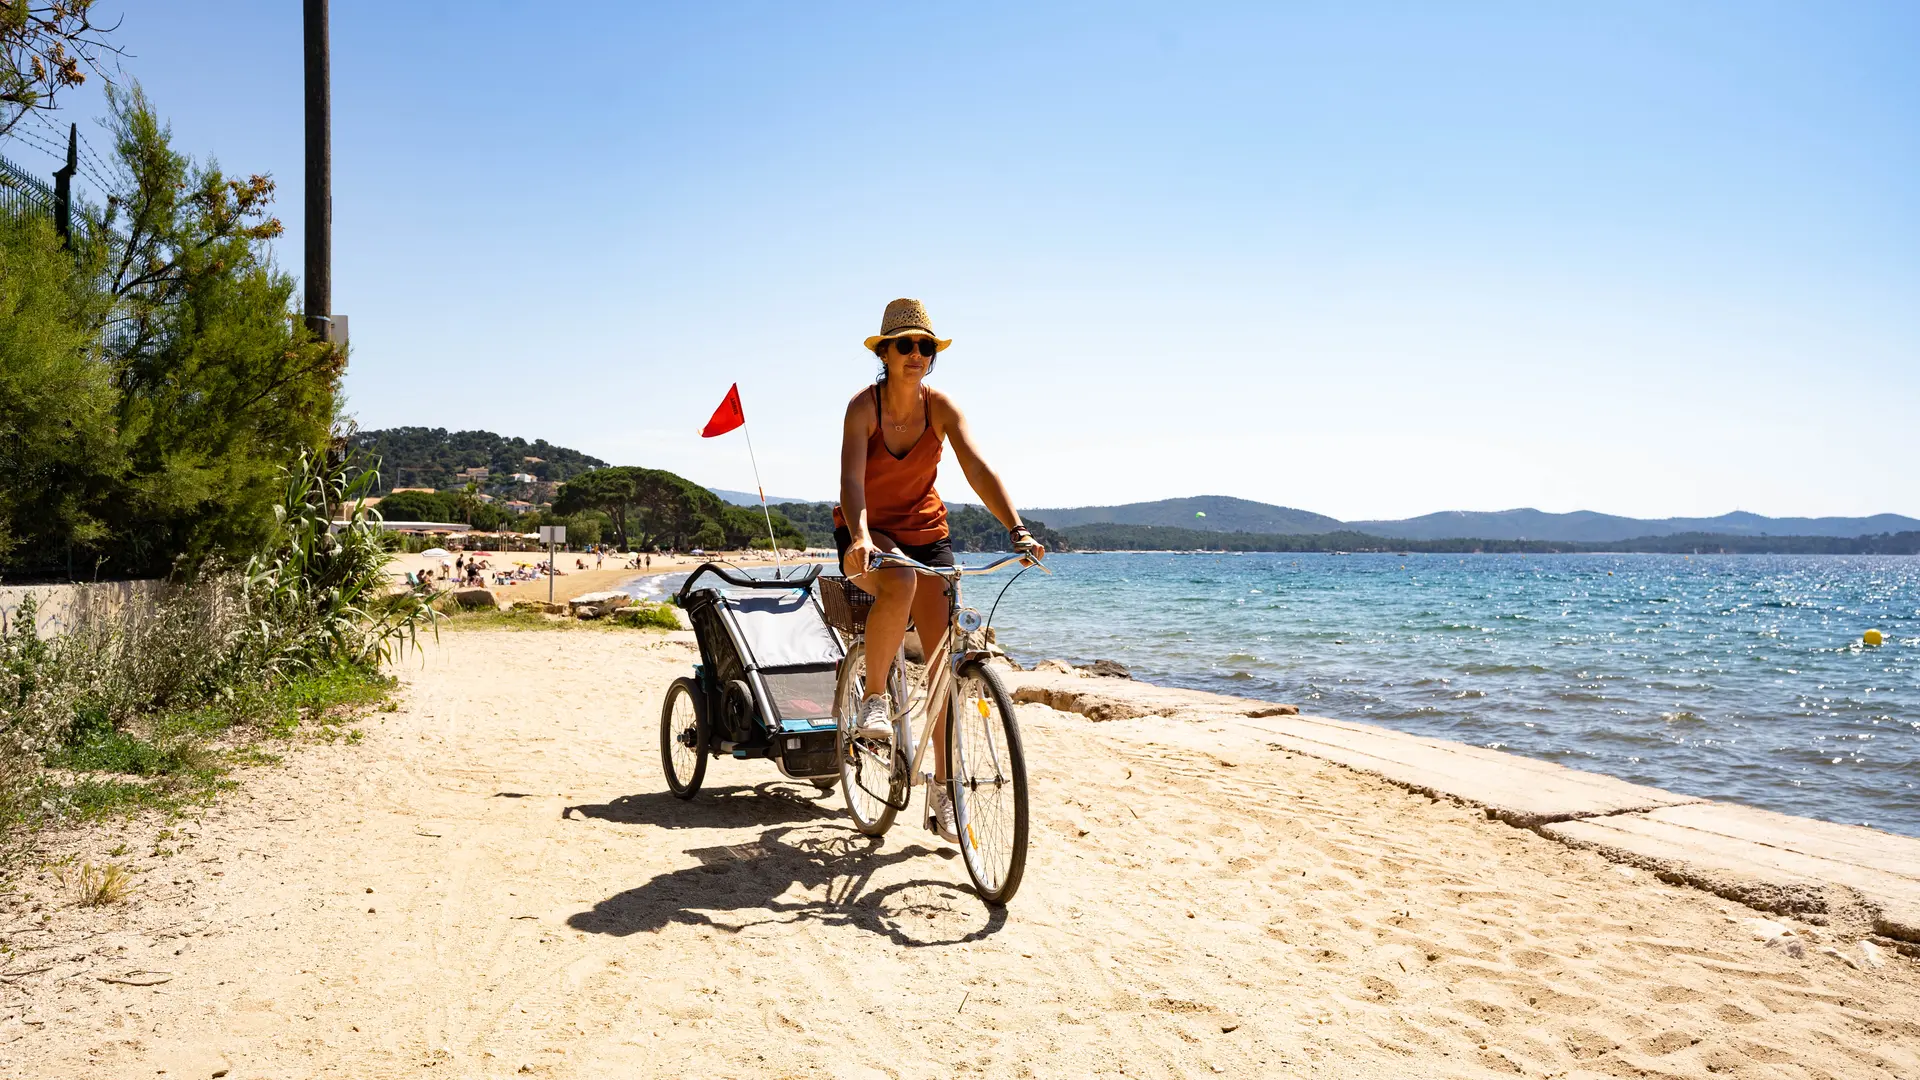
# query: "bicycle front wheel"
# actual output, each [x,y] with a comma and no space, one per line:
[873,772]
[988,780]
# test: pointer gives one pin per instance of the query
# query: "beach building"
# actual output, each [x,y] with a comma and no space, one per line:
[341,513]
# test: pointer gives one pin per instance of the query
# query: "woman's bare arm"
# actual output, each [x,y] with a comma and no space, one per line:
[855,430]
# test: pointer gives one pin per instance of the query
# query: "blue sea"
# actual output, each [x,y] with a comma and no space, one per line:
[1729,677]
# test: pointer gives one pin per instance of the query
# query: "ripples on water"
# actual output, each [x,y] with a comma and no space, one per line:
[1730,677]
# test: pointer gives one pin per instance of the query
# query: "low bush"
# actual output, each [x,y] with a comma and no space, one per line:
[641,616]
[93,744]
[645,616]
[515,617]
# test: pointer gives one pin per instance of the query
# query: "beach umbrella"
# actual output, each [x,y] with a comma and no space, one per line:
[436,553]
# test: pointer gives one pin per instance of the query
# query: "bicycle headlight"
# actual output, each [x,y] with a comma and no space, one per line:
[970,620]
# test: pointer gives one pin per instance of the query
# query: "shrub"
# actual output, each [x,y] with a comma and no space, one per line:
[644,616]
[321,591]
[176,652]
[144,689]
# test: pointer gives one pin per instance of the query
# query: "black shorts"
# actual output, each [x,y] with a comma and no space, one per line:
[938,553]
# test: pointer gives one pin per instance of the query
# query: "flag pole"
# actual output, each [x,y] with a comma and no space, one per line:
[772,540]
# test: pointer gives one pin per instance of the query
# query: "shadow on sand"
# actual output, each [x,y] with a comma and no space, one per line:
[731,807]
[802,868]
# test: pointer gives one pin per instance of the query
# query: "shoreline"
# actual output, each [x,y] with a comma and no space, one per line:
[1397,552]
[1780,863]
[1907,543]
[572,583]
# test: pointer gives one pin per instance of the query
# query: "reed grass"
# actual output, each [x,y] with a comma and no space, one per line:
[99,886]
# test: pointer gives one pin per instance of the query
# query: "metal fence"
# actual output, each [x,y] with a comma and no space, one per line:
[22,192]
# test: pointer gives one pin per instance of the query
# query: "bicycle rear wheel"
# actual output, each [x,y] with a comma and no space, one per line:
[988,781]
[873,772]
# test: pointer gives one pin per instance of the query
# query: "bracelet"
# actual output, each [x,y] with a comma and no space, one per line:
[1018,531]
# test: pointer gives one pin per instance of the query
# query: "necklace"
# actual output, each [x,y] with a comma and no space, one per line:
[899,427]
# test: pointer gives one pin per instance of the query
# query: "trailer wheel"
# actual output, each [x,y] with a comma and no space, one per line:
[684,732]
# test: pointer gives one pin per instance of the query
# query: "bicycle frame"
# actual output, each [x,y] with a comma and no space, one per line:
[940,677]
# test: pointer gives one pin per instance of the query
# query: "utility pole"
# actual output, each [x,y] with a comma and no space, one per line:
[319,174]
[63,187]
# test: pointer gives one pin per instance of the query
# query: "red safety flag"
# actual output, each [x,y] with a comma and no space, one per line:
[727,417]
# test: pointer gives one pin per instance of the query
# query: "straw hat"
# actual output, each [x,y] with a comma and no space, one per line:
[906,318]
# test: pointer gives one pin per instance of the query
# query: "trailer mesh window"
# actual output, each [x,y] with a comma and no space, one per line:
[801,695]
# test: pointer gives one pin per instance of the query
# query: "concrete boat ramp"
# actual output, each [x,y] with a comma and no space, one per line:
[1774,862]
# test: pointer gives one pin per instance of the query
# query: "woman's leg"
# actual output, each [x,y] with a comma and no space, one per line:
[931,617]
[893,599]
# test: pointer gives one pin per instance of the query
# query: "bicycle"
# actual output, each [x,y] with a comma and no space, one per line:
[987,770]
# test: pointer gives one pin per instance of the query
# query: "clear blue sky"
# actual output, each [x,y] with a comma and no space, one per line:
[1370,260]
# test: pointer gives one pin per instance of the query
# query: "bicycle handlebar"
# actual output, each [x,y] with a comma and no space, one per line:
[803,581]
[882,559]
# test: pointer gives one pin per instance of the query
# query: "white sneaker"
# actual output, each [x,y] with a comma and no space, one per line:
[940,819]
[876,718]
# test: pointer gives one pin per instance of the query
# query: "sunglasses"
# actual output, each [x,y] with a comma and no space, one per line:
[905,346]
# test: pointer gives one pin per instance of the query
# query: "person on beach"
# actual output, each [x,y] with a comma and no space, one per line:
[890,445]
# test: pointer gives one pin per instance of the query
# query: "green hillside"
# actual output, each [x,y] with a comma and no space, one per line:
[434,457]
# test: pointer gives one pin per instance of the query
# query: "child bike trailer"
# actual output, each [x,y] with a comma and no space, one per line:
[764,686]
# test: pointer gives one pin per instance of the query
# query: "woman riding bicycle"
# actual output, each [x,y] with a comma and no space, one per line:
[889,453]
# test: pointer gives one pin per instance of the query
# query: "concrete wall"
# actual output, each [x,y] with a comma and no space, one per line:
[63,607]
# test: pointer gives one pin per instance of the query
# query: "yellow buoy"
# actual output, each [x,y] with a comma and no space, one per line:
[1872,637]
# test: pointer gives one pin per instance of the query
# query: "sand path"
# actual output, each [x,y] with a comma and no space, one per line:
[494,883]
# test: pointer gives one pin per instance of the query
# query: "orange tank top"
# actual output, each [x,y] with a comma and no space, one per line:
[901,502]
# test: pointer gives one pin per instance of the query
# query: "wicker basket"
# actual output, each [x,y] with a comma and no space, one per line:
[846,604]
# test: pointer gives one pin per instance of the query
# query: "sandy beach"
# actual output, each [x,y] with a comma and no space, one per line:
[494,882]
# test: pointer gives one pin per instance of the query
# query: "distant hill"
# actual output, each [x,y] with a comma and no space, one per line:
[1741,523]
[748,498]
[1526,524]
[1222,513]
[972,527]
[433,457]
[1585,526]
[1106,536]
